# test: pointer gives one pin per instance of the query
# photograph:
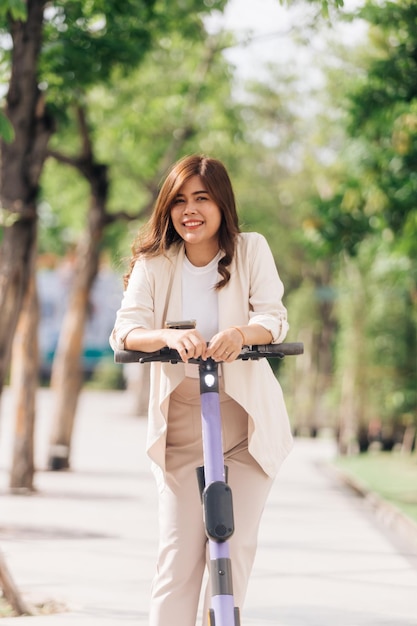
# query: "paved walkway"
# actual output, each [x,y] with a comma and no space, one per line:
[87,538]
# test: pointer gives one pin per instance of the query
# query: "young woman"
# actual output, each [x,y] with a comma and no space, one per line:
[192,262]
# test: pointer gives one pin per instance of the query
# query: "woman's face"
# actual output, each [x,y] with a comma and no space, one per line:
[197,218]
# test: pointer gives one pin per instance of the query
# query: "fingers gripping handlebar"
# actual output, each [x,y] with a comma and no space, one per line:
[167,355]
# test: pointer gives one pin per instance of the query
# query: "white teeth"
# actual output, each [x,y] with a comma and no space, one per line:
[192,223]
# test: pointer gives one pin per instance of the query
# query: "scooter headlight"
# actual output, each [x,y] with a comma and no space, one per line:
[209,380]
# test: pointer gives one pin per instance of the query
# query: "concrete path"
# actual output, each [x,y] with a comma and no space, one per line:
[86,541]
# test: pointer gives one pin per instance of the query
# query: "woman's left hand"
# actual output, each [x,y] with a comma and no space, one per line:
[225,345]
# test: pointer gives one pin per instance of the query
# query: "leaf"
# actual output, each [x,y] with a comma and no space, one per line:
[15,8]
[6,129]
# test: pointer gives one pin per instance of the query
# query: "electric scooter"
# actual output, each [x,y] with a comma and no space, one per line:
[216,495]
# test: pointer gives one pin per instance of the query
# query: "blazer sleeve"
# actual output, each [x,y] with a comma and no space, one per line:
[137,307]
[266,291]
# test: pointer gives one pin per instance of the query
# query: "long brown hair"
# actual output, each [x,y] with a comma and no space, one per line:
[159,234]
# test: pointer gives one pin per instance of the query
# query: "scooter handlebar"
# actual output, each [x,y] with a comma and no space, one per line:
[167,355]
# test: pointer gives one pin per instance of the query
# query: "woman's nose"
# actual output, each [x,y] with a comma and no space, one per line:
[189,207]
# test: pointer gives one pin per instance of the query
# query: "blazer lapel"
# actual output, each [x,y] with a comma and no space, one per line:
[233,304]
[174,295]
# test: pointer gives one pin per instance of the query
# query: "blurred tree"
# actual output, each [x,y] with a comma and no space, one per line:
[48,74]
[371,195]
[375,348]
[376,187]
[280,178]
[67,372]
[46,61]
[21,163]
[24,383]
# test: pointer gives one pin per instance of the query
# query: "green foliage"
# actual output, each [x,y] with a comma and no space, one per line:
[89,47]
[378,192]
[83,41]
[325,5]
[361,213]
[377,330]
[340,222]
[62,208]
[6,129]
[14,9]
[133,127]
[391,77]
[392,477]
[156,103]
[107,375]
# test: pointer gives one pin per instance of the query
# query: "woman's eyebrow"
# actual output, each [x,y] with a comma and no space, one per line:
[194,193]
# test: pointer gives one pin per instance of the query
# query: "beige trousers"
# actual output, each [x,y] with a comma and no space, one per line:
[183,550]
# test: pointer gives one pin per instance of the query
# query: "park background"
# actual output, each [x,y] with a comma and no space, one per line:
[312,105]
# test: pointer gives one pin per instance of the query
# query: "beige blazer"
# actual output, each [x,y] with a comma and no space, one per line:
[252,296]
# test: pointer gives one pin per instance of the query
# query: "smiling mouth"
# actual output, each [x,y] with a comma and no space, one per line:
[192,224]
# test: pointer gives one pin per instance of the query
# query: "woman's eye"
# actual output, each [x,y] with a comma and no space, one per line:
[202,198]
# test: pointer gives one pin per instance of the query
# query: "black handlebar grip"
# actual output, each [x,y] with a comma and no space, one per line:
[267,350]
[287,349]
[133,356]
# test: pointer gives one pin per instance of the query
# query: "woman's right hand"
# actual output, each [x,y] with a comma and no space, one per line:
[189,343]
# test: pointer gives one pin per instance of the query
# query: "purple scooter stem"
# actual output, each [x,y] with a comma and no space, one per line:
[223,611]
[212,437]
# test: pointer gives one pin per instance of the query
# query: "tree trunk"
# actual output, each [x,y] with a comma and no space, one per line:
[353,418]
[24,383]
[67,374]
[313,373]
[10,591]
[14,280]
[348,419]
[21,166]
[323,341]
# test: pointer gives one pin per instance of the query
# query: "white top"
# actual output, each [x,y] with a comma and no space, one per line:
[200,300]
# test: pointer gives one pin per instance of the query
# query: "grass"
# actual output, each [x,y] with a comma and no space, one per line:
[46,608]
[392,476]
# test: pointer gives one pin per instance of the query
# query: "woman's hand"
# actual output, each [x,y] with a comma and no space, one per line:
[225,345]
[188,343]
